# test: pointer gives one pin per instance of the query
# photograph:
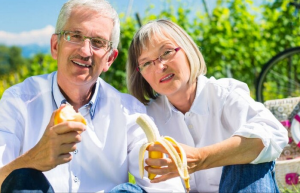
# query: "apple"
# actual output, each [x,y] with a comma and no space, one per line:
[67,113]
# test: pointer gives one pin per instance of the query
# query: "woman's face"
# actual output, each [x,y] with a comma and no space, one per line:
[169,78]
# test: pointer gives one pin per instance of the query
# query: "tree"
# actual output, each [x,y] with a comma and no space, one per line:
[10,59]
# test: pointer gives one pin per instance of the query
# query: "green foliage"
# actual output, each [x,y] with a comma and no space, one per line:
[116,75]
[42,64]
[230,42]
[39,64]
[10,59]
[236,39]
[131,178]
[292,189]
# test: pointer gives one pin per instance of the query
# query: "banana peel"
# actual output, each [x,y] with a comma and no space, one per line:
[168,143]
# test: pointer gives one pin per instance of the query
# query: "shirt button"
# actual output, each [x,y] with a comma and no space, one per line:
[191,126]
[76,151]
[75,179]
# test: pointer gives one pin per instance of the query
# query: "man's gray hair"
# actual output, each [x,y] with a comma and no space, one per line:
[101,6]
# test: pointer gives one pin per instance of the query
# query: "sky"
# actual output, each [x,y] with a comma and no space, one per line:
[26,22]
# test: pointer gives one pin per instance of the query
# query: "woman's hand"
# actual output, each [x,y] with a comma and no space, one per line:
[167,166]
[234,150]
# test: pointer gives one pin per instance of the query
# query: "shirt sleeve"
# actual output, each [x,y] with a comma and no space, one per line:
[11,129]
[136,139]
[251,119]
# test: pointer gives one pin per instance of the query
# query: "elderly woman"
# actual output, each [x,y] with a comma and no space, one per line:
[230,140]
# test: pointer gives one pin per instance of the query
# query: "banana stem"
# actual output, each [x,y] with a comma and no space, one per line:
[187,185]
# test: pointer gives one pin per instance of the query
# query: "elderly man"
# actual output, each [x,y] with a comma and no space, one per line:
[37,155]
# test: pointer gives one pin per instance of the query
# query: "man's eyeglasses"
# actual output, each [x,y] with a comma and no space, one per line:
[164,58]
[77,38]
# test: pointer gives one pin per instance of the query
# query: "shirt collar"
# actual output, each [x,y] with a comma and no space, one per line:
[94,100]
[199,105]
[56,94]
[60,99]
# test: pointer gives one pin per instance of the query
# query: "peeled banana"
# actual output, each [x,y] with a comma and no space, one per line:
[153,137]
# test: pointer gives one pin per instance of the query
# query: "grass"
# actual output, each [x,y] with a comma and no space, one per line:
[294,189]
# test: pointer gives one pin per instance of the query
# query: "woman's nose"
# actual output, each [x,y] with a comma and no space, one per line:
[160,66]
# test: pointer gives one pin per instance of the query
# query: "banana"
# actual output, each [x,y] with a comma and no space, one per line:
[168,143]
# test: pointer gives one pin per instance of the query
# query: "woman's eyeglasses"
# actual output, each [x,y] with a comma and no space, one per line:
[164,58]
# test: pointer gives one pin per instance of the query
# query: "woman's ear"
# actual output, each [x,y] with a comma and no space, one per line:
[111,58]
[54,46]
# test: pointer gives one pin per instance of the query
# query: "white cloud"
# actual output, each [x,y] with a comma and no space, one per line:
[40,37]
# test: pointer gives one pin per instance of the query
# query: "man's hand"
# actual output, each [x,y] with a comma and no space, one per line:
[55,145]
[53,148]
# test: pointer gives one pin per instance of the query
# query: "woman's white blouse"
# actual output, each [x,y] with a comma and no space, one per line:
[221,109]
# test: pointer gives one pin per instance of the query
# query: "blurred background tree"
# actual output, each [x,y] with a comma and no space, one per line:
[10,59]
[236,39]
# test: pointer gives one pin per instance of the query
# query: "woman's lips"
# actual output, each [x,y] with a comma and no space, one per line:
[166,78]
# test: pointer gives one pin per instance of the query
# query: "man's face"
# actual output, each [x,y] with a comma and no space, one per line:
[80,64]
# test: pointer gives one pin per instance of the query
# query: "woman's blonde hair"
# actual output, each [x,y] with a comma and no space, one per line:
[136,84]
